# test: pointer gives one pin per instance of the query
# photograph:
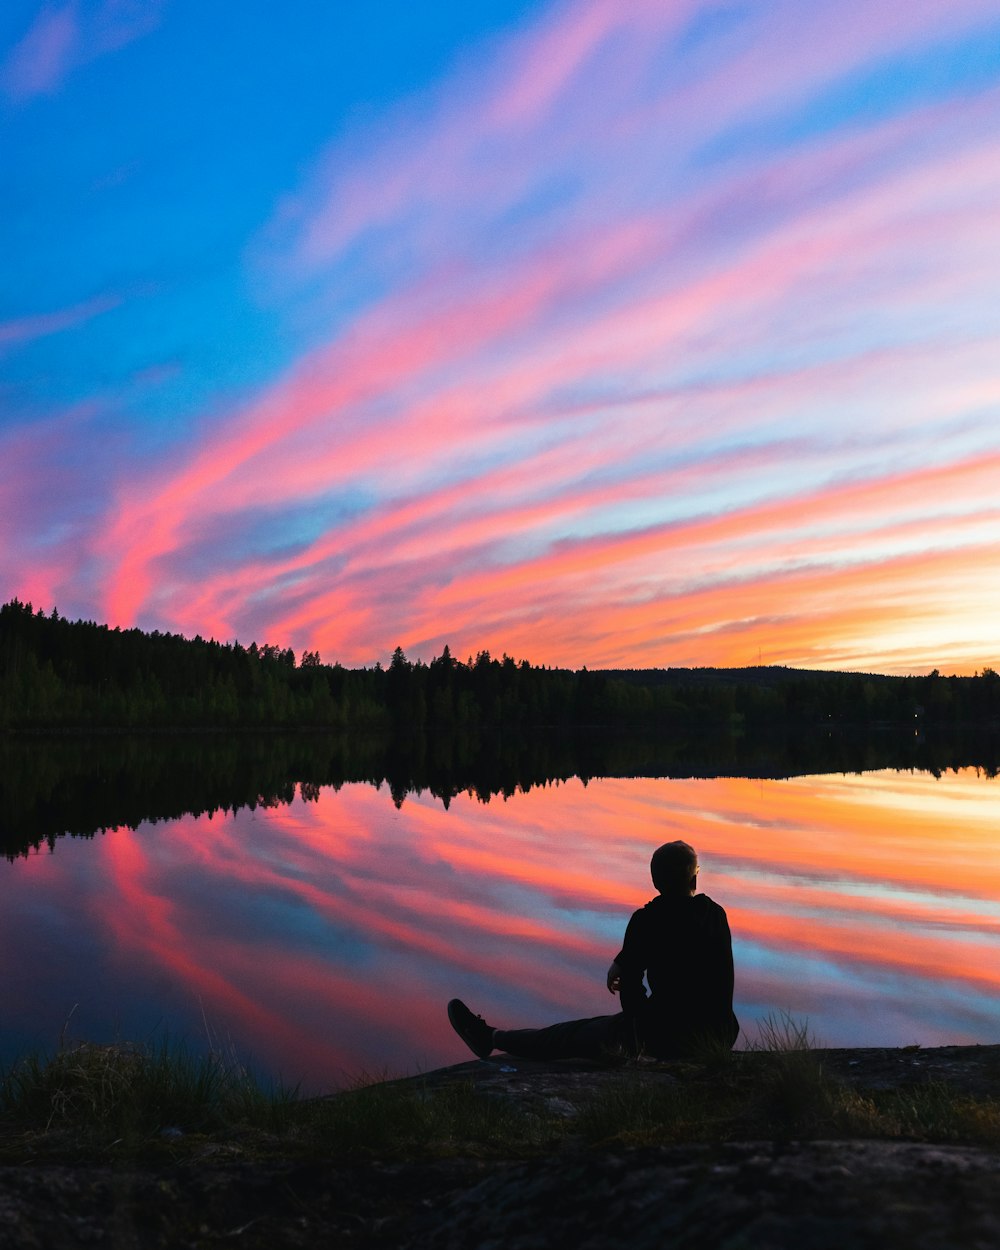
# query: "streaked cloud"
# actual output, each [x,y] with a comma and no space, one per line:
[644,335]
[32,326]
[37,64]
[62,37]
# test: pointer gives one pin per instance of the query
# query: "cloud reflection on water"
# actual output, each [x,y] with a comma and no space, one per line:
[324,937]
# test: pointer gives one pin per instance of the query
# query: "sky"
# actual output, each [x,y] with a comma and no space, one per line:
[618,335]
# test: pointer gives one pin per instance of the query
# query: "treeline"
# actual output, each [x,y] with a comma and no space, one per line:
[56,673]
[60,674]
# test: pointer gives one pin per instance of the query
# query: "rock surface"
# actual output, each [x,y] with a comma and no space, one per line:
[973,1070]
[761,1195]
[810,1196]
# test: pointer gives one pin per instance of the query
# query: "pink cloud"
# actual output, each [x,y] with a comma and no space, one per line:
[42,548]
[27,329]
[562,44]
[61,39]
[38,64]
[460,517]
[447,167]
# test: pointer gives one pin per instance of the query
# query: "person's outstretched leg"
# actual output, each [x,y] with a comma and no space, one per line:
[591,1038]
[594,1038]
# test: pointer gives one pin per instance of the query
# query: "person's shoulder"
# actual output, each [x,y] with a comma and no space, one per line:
[651,907]
[691,909]
[672,907]
[645,915]
[708,905]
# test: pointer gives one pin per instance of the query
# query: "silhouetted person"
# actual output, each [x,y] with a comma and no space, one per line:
[680,942]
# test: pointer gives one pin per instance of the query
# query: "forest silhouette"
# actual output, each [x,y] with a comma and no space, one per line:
[60,674]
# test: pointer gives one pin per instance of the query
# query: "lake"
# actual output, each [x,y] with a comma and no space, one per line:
[320,935]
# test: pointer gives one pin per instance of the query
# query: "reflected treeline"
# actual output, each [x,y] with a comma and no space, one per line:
[79,786]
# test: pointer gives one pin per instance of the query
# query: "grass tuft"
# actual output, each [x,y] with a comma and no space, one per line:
[780,1033]
[793,1093]
[936,1112]
[120,1092]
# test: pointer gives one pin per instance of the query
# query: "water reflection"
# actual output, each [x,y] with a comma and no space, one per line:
[323,936]
[82,786]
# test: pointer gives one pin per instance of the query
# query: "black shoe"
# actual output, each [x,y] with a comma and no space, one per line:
[473,1030]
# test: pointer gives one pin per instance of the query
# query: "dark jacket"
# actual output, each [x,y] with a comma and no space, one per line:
[682,945]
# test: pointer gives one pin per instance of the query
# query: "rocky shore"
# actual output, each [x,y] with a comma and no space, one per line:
[780,1193]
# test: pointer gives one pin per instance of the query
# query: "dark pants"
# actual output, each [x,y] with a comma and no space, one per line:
[596,1038]
[603,1036]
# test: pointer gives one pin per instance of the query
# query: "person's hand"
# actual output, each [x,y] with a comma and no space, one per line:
[614,978]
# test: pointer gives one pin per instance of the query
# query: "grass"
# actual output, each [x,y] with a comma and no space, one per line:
[781,1034]
[935,1112]
[405,1120]
[118,1098]
[106,1103]
[777,1089]
[123,1101]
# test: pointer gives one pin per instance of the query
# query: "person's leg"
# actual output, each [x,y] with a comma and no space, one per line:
[592,1038]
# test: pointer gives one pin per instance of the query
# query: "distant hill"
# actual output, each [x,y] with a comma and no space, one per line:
[753,675]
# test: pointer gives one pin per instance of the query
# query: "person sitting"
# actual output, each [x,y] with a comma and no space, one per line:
[680,942]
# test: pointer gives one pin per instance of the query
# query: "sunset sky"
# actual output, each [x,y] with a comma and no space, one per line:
[658,332]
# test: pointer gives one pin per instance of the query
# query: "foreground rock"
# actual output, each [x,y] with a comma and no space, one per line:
[809,1196]
[972,1070]
[782,1195]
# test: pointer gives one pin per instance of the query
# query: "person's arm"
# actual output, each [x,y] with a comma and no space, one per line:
[628,968]
[725,963]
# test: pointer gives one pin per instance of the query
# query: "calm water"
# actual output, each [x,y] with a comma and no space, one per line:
[323,937]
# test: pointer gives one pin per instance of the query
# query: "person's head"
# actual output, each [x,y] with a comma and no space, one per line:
[674,868]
